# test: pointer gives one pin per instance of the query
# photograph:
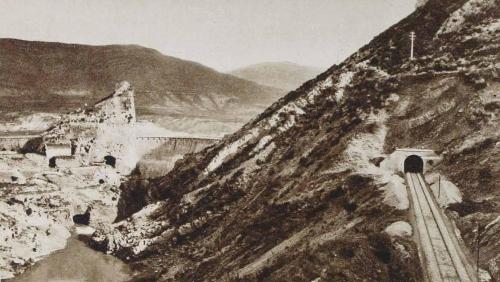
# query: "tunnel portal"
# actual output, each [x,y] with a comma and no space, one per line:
[414,164]
[52,162]
[110,160]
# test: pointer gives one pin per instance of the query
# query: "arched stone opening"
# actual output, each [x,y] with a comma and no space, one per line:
[110,160]
[52,162]
[414,164]
[84,218]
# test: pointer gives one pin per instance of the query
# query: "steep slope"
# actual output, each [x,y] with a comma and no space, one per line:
[282,75]
[56,77]
[307,190]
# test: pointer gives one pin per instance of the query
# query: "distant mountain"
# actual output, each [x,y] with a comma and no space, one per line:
[56,77]
[283,75]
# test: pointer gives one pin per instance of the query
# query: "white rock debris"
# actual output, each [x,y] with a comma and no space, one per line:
[395,193]
[36,217]
[262,155]
[230,150]
[37,202]
[136,233]
[262,143]
[344,80]
[399,228]
[447,194]
[470,8]
[366,146]
[290,111]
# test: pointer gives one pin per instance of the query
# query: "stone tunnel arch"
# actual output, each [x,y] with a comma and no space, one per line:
[414,163]
[110,160]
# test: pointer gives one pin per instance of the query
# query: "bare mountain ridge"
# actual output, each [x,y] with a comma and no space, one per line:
[58,77]
[306,191]
[282,75]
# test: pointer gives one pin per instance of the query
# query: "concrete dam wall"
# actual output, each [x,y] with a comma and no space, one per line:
[174,144]
[160,160]
[154,156]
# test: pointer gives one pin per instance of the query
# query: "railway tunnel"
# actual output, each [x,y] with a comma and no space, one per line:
[110,160]
[441,253]
[414,164]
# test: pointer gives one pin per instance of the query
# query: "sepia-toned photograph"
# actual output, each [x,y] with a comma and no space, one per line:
[249,140]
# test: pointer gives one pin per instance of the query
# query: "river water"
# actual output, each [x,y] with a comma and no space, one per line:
[77,262]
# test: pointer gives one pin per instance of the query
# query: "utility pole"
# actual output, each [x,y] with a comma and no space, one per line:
[412,38]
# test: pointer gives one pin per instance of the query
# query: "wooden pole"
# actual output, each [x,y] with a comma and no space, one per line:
[439,187]
[477,249]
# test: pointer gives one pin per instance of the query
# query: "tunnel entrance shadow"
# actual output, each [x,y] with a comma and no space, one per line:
[110,160]
[52,162]
[414,164]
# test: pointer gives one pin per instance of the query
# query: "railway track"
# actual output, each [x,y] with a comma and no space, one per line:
[443,258]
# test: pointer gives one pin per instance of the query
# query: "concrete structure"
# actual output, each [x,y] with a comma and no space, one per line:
[57,150]
[106,133]
[105,129]
[15,142]
[174,144]
[401,157]
[66,162]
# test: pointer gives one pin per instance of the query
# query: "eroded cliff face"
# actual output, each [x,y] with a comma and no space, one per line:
[307,190]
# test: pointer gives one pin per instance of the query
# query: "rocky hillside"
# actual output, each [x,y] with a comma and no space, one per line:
[55,77]
[282,75]
[307,190]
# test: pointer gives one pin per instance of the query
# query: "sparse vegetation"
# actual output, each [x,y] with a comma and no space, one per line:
[307,211]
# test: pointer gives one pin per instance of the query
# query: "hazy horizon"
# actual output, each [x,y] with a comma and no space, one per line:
[221,34]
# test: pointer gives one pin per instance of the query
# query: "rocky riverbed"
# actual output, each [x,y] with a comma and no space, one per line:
[37,204]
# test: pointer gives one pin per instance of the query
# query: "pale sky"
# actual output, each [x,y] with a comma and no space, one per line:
[222,34]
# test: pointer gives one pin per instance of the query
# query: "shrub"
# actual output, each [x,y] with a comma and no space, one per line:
[305,161]
[350,206]
[346,252]
[464,208]
[347,205]
[336,193]
[381,246]
[491,107]
[371,127]
[357,181]
[289,154]
[377,161]
[485,174]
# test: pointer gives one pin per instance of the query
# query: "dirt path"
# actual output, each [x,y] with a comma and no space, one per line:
[444,260]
